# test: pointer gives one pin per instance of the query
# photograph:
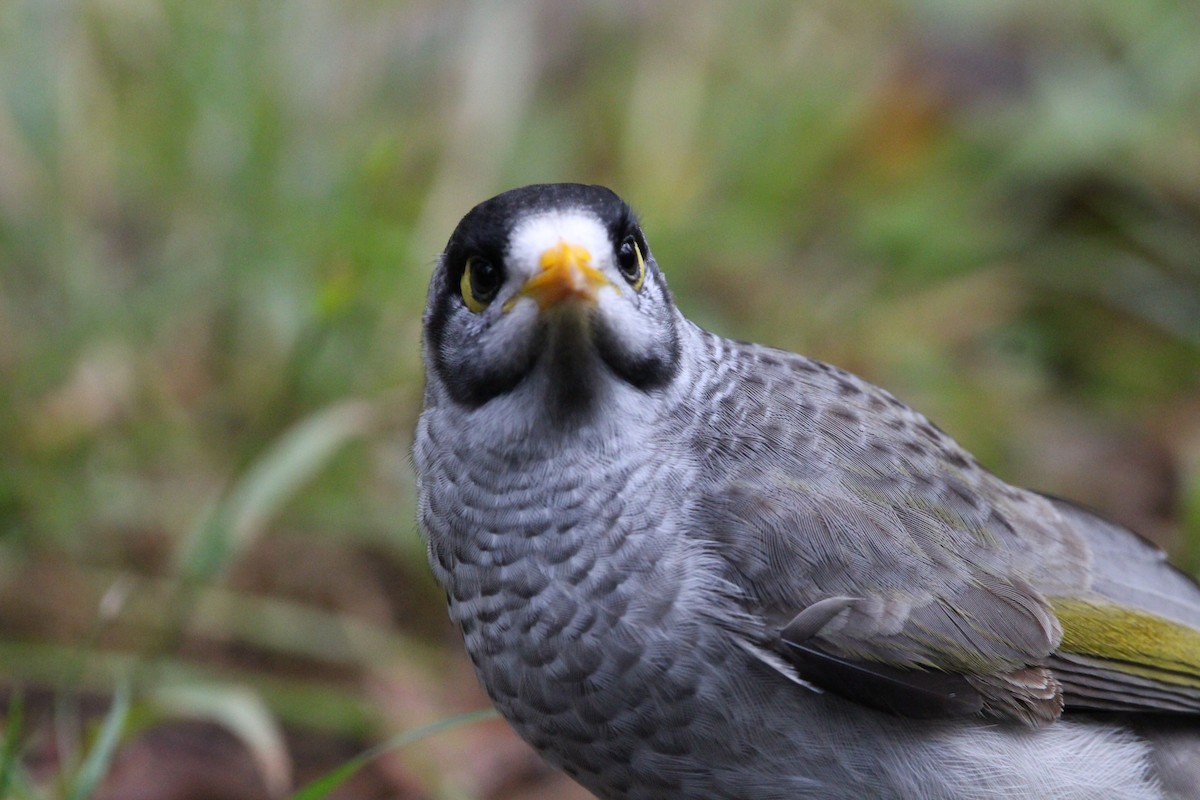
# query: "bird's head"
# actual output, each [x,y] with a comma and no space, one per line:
[549,289]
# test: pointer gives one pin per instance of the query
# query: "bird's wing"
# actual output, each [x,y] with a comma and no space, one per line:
[915,605]
[1132,641]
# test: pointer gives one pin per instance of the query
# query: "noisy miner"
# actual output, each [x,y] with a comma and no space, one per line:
[690,567]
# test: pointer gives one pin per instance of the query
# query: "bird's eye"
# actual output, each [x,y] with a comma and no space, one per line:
[631,263]
[480,281]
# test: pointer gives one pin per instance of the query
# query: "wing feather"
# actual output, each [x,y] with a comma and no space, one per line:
[871,614]
[881,559]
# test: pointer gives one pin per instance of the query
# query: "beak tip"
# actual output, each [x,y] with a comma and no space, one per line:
[566,273]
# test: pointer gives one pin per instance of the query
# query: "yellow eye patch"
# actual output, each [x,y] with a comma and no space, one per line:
[480,281]
[631,264]
[641,275]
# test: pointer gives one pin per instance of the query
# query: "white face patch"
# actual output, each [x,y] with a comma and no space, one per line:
[534,236]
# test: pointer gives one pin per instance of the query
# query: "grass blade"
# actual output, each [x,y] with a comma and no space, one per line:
[243,713]
[290,463]
[322,786]
[95,766]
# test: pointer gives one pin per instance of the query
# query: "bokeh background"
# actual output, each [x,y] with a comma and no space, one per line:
[217,220]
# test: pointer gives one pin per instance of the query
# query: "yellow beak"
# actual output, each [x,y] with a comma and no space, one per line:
[567,273]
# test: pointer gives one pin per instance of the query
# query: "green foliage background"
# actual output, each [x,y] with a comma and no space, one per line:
[217,220]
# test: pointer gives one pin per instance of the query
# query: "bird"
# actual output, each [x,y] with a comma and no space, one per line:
[690,567]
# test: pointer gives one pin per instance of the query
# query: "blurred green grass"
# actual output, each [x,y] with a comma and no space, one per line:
[217,221]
